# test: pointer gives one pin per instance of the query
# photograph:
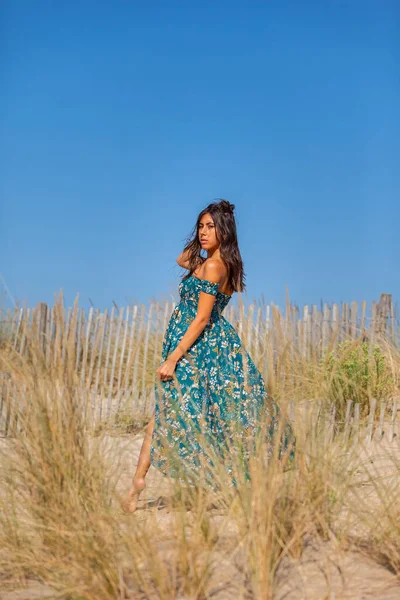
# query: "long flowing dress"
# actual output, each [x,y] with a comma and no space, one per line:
[216,399]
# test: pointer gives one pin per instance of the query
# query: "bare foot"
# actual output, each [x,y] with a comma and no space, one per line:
[129,505]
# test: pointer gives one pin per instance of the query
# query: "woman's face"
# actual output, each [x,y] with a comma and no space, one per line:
[207,233]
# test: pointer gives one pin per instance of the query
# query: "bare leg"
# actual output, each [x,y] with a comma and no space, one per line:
[138,483]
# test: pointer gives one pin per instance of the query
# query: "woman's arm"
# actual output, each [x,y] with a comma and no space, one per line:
[214,273]
[183,259]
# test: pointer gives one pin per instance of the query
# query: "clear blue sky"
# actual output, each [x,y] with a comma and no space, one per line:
[121,120]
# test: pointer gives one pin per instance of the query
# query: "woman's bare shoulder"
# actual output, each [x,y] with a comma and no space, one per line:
[214,266]
[212,269]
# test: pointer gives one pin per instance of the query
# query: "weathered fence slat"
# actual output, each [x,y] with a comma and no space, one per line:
[128,360]
[86,347]
[110,329]
[346,432]
[356,423]
[121,360]
[393,421]
[371,416]
[102,335]
[135,378]
[94,350]
[381,420]
[114,361]
[78,338]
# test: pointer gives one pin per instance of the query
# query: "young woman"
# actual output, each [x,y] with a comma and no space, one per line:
[209,383]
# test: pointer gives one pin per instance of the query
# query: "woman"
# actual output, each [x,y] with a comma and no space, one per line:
[212,394]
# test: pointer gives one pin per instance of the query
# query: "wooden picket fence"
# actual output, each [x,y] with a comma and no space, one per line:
[317,418]
[116,353]
[311,420]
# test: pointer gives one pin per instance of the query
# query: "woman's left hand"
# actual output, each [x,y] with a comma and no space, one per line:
[166,370]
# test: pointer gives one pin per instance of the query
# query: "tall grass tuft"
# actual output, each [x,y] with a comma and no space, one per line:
[56,496]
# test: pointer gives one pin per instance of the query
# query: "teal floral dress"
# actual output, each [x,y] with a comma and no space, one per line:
[210,410]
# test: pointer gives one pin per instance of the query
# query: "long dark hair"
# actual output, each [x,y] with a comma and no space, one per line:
[226,234]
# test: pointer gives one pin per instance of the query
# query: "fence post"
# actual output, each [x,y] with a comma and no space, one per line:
[41,320]
[383,310]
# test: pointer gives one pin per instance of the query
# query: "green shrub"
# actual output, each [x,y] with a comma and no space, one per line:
[356,373]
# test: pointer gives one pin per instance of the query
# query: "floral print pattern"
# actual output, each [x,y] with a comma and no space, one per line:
[216,400]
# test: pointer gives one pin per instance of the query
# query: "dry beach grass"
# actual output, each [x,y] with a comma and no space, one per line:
[325,527]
